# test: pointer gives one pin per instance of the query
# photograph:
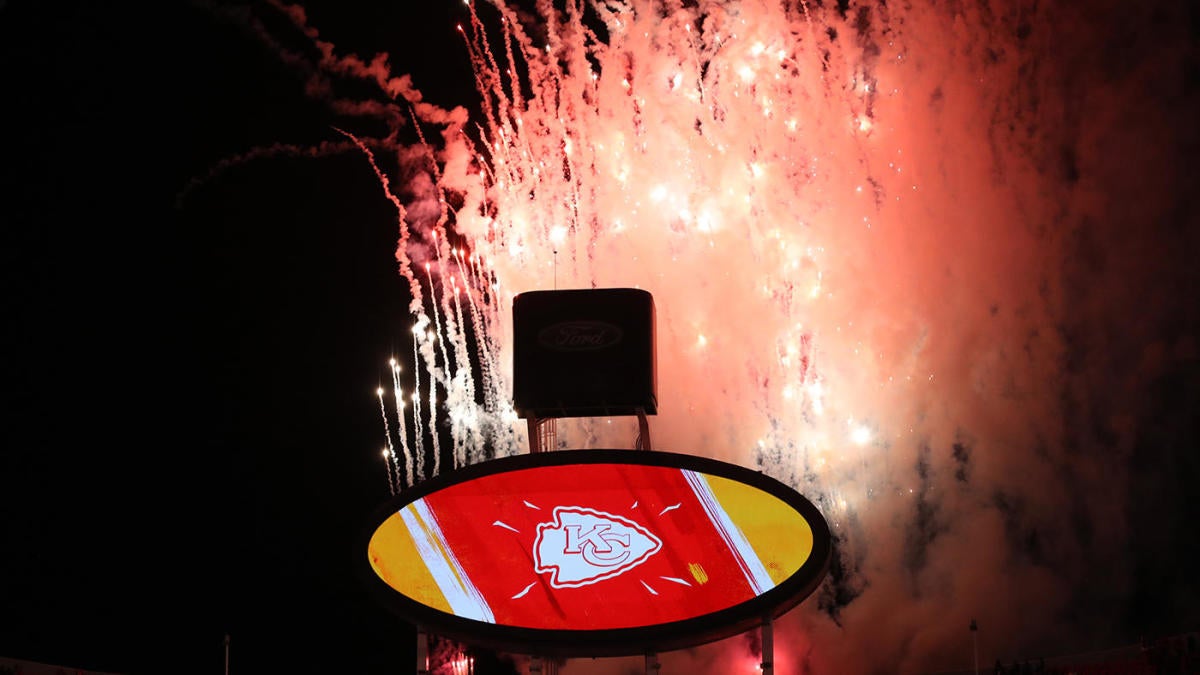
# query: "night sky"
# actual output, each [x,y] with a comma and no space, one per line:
[191,436]
[192,341]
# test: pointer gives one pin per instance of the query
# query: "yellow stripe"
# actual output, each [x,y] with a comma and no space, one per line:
[779,535]
[433,535]
[395,559]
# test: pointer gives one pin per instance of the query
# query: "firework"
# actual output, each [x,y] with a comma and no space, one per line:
[853,220]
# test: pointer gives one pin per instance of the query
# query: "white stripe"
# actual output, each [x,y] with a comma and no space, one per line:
[432,522]
[752,567]
[464,599]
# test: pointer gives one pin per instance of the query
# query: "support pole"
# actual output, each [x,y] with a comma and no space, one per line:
[652,665]
[768,648]
[422,652]
[535,439]
[543,433]
[643,431]
[975,643]
[535,665]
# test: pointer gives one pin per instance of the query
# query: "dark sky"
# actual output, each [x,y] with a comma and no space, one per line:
[190,438]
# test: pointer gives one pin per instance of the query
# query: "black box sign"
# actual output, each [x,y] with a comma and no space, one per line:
[584,353]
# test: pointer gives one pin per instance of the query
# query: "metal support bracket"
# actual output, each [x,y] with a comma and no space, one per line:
[768,647]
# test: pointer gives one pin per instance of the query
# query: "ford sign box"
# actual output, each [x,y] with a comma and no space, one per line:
[584,353]
[595,552]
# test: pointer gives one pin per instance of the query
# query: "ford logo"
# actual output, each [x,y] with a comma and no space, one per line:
[579,336]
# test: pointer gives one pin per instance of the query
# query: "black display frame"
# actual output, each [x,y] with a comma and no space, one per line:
[684,633]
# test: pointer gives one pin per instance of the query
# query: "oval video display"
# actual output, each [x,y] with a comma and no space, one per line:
[596,552]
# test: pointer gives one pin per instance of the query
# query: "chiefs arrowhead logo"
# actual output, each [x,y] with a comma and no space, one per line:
[582,546]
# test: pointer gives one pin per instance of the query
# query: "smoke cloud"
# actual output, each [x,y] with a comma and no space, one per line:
[929,264]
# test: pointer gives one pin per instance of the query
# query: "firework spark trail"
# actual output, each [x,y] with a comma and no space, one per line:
[402,247]
[466,417]
[414,461]
[389,452]
[860,230]
[473,285]
[418,432]
[490,377]
[387,459]
[398,392]
[442,332]
[460,403]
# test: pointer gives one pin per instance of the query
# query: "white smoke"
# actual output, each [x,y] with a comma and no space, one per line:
[922,262]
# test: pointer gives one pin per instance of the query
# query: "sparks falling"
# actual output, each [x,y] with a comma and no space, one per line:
[853,222]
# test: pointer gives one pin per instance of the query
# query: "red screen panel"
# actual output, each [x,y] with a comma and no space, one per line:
[546,544]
